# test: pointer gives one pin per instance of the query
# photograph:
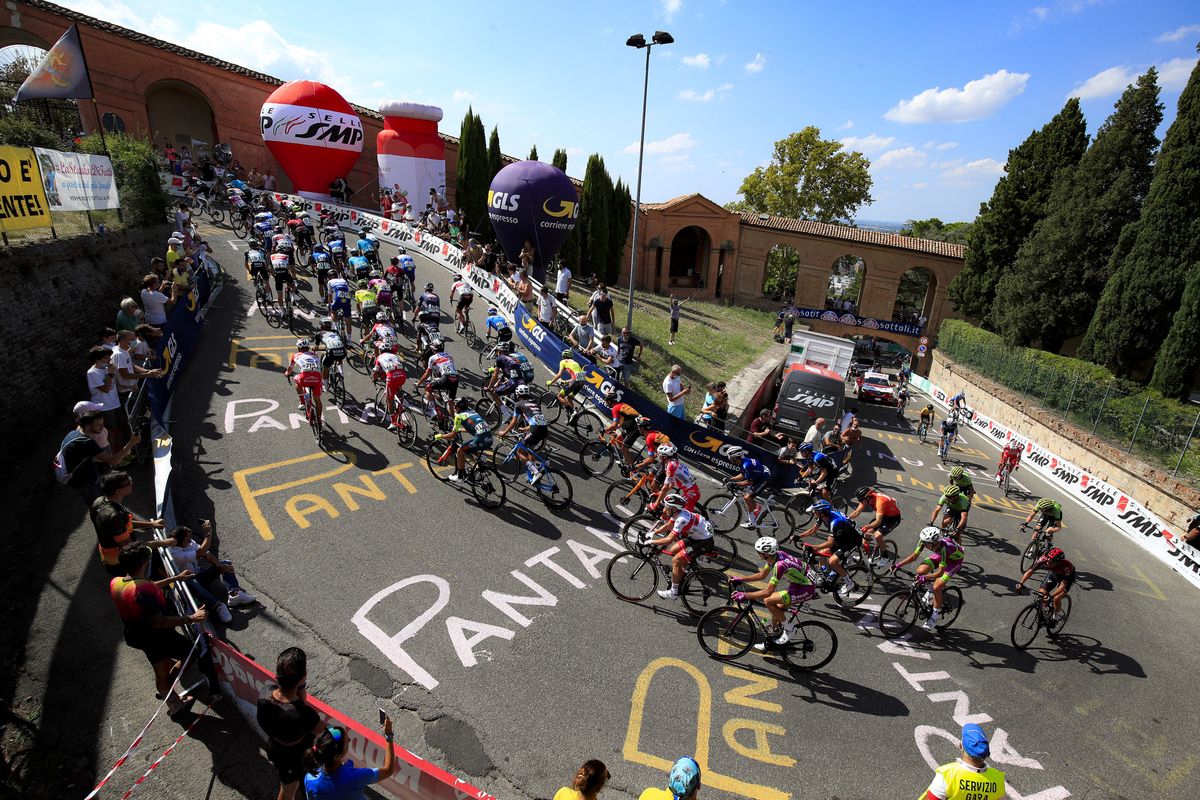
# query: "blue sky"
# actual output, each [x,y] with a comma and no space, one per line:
[934,93]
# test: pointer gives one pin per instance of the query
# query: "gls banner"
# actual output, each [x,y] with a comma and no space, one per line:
[180,335]
[313,126]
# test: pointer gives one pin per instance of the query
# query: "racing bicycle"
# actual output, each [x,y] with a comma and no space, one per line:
[598,456]
[1038,615]
[486,484]
[404,419]
[726,510]
[310,412]
[729,632]
[635,575]
[923,431]
[628,497]
[553,487]
[1004,477]
[1037,546]
[723,552]
[903,608]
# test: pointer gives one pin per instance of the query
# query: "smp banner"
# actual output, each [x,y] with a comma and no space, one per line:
[180,336]
[415,778]
[77,182]
[22,197]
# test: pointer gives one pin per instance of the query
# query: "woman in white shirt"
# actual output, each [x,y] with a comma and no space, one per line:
[153,301]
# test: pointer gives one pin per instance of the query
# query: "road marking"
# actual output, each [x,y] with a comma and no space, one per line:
[250,496]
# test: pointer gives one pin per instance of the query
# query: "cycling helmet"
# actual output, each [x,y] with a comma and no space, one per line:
[956,473]
[429,287]
[929,406]
[458,276]
[674,501]
[375,274]
[523,390]
[508,347]
[666,450]
[611,397]
[436,344]
[930,534]
[402,249]
[736,452]
[362,284]
[951,490]
[395,261]
[766,546]
[462,402]
[863,493]
[567,354]
[492,311]
[821,507]
[326,325]
[1054,555]
[1013,444]
[303,344]
[643,422]
[806,448]
[1044,503]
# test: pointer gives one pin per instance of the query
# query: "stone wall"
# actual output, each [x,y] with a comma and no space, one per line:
[56,297]
[1174,501]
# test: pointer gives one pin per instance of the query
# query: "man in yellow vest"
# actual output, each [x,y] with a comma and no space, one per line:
[968,778]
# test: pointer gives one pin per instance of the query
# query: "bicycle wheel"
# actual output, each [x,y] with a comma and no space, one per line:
[217,214]
[724,512]
[406,429]
[272,314]
[704,589]
[899,614]
[439,459]
[241,229]
[723,554]
[1055,628]
[487,408]
[337,387]
[622,501]
[554,488]
[551,408]
[632,576]
[509,466]
[636,529]
[487,357]
[779,524]
[952,603]
[1026,626]
[840,505]
[864,581]
[487,486]
[727,633]
[587,426]
[596,458]
[1030,555]
[880,560]
[811,646]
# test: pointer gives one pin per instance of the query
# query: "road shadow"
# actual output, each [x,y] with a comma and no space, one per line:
[1089,651]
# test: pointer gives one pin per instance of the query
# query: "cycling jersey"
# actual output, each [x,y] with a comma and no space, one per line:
[960,502]
[788,569]
[884,506]
[255,258]
[376,284]
[409,266]
[654,440]
[625,413]
[281,263]
[385,335]
[570,369]
[1053,513]
[496,323]
[679,475]
[365,296]
[428,301]
[1063,568]
[1010,456]
[305,361]
[949,427]
[360,265]
[462,289]
[948,549]
[531,412]
[839,526]
[690,525]
[926,414]
[442,365]
[964,482]
[321,258]
[754,469]
[470,422]
[338,289]
[332,344]
[392,273]
[822,462]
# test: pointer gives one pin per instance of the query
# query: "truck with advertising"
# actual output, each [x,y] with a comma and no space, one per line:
[820,350]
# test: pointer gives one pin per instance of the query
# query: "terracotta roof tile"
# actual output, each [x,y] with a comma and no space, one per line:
[851,234]
[674,201]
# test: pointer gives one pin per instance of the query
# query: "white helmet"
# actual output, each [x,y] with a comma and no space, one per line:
[766,546]
[735,452]
[666,450]
[674,501]
[524,390]
[930,534]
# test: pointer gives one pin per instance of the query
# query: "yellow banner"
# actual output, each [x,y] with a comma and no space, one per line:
[22,197]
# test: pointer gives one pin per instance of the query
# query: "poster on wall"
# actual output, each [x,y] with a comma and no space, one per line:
[22,198]
[77,182]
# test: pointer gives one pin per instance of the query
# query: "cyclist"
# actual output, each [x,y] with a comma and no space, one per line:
[335,349]
[956,505]
[570,373]
[389,369]
[687,534]
[528,410]
[428,307]
[887,515]
[1060,577]
[367,303]
[901,400]
[307,369]
[753,476]
[783,568]
[1010,456]
[282,269]
[926,418]
[383,337]
[943,562]
[949,430]
[322,265]
[337,294]
[408,267]
[361,267]
[820,469]
[677,478]
[393,273]
[466,294]
[466,420]
[382,289]
[337,244]
[496,327]
[654,440]
[624,424]
[960,478]
[256,265]
[441,368]
[1052,517]
[843,537]
[959,403]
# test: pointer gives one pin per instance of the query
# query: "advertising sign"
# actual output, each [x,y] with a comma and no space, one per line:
[312,132]
[180,335]
[531,201]
[868,323]
[77,182]
[411,155]
[22,197]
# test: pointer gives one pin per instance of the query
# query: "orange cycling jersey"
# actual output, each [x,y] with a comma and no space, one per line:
[886,506]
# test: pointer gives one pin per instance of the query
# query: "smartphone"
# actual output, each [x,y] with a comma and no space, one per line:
[382,716]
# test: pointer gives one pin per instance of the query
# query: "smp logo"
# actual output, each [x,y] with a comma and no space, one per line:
[997,434]
[1066,477]
[535,330]
[806,398]
[566,208]
[1041,459]
[1135,520]
[502,201]
[1098,496]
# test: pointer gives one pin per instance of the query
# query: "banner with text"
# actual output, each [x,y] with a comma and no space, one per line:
[77,182]
[869,323]
[180,335]
[22,197]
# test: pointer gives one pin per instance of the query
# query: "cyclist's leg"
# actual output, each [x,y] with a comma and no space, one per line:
[776,603]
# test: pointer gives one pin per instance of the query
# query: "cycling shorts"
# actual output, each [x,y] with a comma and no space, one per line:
[829,481]
[844,542]
[478,444]
[757,485]
[395,382]
[340,308]
[572,388]
[536,437]
[260,271]
[691,496]
[503,335]
[796,593]
[283,279]
[464,302]
[430,318]
[504,388]
[368,315]
[1051,582]
[447,384]
[308,380]
[332,357]
[889,524]
[1047,521]
[629,431]
[696,547]
[952,567]
[323,268]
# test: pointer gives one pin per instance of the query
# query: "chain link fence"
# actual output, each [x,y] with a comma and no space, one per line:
[1160,432]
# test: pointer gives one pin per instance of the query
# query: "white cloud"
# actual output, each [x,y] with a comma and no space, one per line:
[574,151]
[1059,9]
[920,185]
[1180,33]
[662,147]
[256,44]
[377,84]
[1174,74]
[947,146]
[847,125]
[757,65]
[901,158]
[463,96]
[867,144]
[699,97]
[1105,83]
[978,99]
[671,8]
[984,168]
[700,60]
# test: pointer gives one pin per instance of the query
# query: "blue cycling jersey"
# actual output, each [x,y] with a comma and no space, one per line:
[753,468]
[824,462]
[839,524]
[408,266]
[496,322]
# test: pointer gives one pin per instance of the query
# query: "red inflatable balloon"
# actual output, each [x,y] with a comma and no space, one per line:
[313,133]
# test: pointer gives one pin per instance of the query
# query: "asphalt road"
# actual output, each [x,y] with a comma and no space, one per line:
[497,631]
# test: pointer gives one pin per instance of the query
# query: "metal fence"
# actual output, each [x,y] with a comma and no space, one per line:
[1142,424]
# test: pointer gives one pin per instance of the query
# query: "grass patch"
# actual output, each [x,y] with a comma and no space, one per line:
[715,342]
[66,225]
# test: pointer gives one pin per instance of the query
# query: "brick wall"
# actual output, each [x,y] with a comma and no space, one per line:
[56,296]
[1173,500]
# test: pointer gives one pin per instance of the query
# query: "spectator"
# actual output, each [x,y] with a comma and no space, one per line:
[128,372]
[526,256]
[339,190]
[813,435]
[562,284]
[99,437]
[148,625]
[269,181]
[287,719]
[851,438]
[129,316]
[182,217]
[922,320]
[181,278]
[80,451]
[777,331]
[583,335]
[114,523]
[790,452]
[1192,537]
[238,170]
[675,391]
[761,432]
[587,783]
[146,334]
[683,783]
[108,339]
[601,307]
[334,777]
[102,383]
[985,781]
[676,304]
[524,289]
[604,353]
[716,404]
[790,314]
[546,307]
[629,352]
[154,301]
[490,259]
[831,441]
[847,418]
[385,204]
[255,179]
[188,556]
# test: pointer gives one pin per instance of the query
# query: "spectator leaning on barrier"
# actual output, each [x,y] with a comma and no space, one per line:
[102,384]
[331,776]
[813,435]
[683,783]
[290,723]
[115,524]
[761,432]
[675,391]
[1192,537]
[546,307]
[80,451]
[587,783]
[562,283]
[129,315]
[149,626]
[154,301]
[969,776]
[583,335]
[629,352]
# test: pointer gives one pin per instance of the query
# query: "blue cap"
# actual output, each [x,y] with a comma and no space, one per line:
[685,777]
[974,741]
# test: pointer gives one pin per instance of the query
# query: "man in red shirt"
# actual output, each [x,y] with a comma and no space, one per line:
[1010,455]
[887,514]
[1060,576]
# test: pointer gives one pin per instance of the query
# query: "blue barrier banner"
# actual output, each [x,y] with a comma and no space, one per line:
[869,323]
[180,335]
[696,443]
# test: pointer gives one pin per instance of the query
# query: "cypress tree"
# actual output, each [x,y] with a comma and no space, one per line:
[473,172]
[594,218]
[1180,354]
[560,159]
[495,158]
[1051,292]
[533,153]
[618,229]
[1018,202]
[1135,311]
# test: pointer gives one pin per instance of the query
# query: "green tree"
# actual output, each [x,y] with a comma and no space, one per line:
[783,268]
[22,131]
[808,178]
[1175,369]
[618,229]
[933,228]
[1135,311]
[495,157]
[1050,294]
[560,159]
[135,169]
[1018,202]
[474,171]
[595,218]
[533,153]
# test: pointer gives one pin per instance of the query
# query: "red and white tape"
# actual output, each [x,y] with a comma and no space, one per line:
[165,753]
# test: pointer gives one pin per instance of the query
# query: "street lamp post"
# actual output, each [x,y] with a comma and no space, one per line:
[639,41]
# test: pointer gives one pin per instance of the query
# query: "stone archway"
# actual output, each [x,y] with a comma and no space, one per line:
[690,249]
[847,278]
[781,272]
[915,296]
[180,113]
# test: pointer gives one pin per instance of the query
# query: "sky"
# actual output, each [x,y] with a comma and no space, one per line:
[935,94]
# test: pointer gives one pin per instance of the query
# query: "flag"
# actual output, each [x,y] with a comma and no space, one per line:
[62,72]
